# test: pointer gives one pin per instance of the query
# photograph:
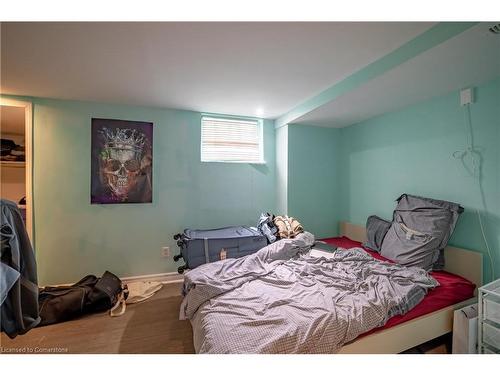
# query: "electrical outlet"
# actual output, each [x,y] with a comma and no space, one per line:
[165,252]
[466,96]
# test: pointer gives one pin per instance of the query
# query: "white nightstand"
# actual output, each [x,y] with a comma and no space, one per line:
[489,318]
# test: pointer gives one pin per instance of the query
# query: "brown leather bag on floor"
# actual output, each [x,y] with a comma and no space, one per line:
[288,227]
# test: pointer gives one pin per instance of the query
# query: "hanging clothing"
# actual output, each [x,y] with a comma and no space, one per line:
[18,281]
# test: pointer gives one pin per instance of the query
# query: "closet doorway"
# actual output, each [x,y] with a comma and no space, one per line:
[16,170]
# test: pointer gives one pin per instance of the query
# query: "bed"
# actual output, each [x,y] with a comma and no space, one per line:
[465,263]
[272,317]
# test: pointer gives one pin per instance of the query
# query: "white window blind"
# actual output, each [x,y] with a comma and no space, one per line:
[231,140]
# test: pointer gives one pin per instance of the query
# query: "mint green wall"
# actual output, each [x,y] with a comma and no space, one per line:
[319,175]
[411,151]
[74,238]
[313,169]
[282,170]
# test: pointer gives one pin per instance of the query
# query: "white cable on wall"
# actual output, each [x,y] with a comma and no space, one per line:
[475,172]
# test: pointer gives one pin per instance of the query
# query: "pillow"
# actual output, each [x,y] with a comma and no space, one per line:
[376,229]
[409,247]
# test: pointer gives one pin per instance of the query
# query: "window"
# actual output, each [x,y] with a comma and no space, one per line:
[231,140]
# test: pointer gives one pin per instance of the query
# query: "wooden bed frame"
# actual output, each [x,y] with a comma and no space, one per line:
[465,263]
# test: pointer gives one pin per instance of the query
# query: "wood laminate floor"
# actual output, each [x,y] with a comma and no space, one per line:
[152,326]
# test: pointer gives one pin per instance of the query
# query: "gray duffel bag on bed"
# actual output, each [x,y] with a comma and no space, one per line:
[420,230]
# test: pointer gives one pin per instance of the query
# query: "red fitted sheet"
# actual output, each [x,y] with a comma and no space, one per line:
[452,288]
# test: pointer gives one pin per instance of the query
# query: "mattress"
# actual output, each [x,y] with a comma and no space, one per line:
[452,288]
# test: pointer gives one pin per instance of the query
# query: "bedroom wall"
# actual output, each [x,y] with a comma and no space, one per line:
[319,175]
[313,184]
[282,170]
[411,151]
[74,238]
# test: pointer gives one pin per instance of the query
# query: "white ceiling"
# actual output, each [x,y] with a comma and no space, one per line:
[232,68]
[12,119]
[468,59]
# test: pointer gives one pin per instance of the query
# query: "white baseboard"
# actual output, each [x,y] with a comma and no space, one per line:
[164,278]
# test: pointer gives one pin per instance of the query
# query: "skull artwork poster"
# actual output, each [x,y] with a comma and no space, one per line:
[121,161]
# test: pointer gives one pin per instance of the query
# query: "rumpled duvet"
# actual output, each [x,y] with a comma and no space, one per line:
[281,299]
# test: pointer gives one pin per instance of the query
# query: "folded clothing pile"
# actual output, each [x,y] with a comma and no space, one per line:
[278,227]
[10,151]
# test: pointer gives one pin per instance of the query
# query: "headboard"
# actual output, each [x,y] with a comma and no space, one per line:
[462,262]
